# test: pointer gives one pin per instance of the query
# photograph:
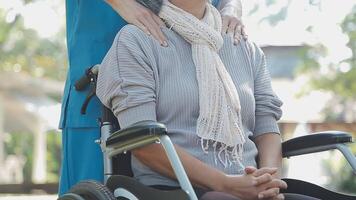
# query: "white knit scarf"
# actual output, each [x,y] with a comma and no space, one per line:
[219,123]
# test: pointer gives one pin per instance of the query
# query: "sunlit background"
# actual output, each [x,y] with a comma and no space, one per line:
[310,47]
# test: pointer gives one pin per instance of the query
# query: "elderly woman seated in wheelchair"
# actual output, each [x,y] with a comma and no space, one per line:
[217,106]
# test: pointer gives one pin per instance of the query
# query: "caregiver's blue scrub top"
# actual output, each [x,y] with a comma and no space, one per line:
[91,28]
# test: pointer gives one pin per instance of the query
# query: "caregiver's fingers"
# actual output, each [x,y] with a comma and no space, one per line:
[232,25]
[237,34]
[243,32]
[142,27]
[160,24]
[140,16]
[229,23]
[154,27]
[225,24]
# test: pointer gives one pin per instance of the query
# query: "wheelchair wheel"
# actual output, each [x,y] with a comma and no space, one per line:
[88,190]
[71,196]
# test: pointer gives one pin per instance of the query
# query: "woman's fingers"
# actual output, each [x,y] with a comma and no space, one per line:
[276,183]
[265,170]
[265,178]
[279,197]
[269,194]
[250,169]
[270,189]
[268,197]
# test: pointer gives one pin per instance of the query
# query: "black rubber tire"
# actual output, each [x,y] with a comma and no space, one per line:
[71,196]
[92,190]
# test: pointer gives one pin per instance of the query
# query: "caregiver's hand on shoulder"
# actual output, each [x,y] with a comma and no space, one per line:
[140,16]
[234,26]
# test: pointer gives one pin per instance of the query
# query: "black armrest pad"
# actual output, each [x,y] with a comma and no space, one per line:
[315,140]
[139,129]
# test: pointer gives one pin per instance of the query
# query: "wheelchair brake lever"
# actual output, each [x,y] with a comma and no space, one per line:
[92,76]
[87,100]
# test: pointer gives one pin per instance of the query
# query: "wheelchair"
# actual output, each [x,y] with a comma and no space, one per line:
[116,144]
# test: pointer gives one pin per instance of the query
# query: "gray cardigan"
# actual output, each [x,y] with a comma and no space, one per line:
[141,80]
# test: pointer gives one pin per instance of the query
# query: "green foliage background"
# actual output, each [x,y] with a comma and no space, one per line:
[18,143]
[21,143]
[341,82]
[22,50]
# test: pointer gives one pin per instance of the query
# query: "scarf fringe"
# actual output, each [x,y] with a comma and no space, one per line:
[227,155]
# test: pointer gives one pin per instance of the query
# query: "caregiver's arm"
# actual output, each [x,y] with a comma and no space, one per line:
[231,7]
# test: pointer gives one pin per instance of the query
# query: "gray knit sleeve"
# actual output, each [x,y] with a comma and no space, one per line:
[268,105]
[126,81]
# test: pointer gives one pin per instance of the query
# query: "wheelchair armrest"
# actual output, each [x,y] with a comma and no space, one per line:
[136,135]
[315,142]
[144,133]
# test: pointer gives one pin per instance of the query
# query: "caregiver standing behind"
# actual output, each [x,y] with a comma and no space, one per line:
[91,28]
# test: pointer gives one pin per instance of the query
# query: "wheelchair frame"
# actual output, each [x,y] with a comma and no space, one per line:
[155,136]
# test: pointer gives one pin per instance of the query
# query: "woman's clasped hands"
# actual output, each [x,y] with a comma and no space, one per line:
[254,184]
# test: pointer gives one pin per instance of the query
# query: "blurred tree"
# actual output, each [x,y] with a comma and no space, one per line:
[277,11]
[338,78]
[20,143]
[22,50]
[53,156]
[341,176]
